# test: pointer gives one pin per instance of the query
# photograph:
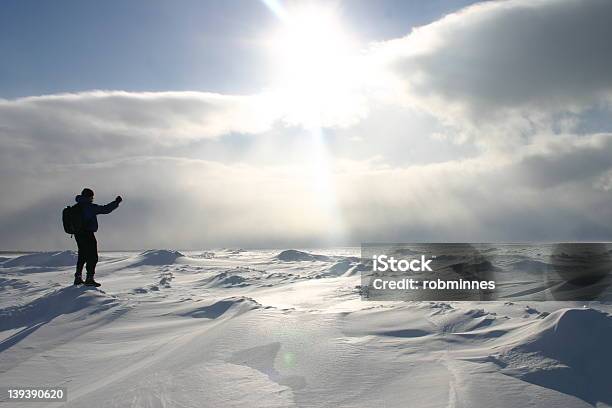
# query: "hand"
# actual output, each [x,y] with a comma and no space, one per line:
[118,199]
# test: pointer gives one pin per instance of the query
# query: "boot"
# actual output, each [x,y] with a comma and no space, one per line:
[78,280]
[91,282]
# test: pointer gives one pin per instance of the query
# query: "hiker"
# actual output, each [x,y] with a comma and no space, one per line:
[85,237]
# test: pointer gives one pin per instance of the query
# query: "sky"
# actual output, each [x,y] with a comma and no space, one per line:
[157,45]
[302,123]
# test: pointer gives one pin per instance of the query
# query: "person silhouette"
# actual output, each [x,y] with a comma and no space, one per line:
[86,238]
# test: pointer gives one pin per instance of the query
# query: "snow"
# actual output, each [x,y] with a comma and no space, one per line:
[63,258]
[293,255]
[157,257]
[227,328]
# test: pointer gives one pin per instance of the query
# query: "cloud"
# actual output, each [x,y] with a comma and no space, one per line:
[169,202]
[550,193]
[102,123]
[513,62]
[565,159]
[189,203]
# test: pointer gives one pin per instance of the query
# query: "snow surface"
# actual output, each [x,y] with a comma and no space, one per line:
[230,327]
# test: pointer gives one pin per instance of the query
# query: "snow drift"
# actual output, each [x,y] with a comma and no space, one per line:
[568,350]
[154,257]
[43,259]
[233,306]
[293,255]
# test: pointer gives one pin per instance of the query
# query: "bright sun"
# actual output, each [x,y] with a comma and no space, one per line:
[315,67]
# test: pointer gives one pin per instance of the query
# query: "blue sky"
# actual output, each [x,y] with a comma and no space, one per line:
[155,45]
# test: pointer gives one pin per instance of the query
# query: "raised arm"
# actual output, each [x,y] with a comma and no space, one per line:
[108,208]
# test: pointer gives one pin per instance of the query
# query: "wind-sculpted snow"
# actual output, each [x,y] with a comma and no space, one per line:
[57,303]
[293,255]
[63,258]
[227,279]
[7,284]
[52,320]
[569,351]
[157,257]
[462,321]
[530,266]
[234,305]
[288,328]
[204,255]
[340,268]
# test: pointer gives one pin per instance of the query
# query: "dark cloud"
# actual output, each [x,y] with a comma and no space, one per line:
[533,55]
[567,161]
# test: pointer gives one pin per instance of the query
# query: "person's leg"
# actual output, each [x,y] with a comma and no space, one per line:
[92,257]
[78,275]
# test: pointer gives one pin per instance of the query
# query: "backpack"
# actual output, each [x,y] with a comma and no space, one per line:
[72,218]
